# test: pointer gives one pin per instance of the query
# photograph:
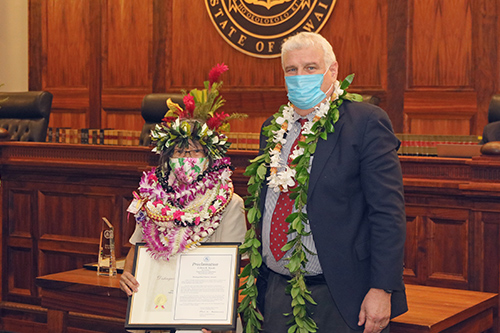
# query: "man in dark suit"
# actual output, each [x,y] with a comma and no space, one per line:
[355,204]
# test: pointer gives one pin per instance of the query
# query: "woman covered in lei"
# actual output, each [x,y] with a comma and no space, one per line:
[189,198]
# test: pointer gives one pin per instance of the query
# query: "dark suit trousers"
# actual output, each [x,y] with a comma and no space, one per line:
[325,313]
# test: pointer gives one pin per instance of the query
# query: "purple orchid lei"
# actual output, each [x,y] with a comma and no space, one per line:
[180,219]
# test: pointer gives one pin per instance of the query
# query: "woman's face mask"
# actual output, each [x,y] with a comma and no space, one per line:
[187,169]
[304,91]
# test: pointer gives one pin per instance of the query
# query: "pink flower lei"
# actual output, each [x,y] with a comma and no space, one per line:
[178,220]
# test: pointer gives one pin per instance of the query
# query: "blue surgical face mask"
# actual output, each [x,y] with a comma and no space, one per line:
[304,91]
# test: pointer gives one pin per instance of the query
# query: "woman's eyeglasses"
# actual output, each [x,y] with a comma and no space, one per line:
[188,152]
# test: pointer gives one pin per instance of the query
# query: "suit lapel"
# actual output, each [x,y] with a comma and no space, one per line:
[323,152]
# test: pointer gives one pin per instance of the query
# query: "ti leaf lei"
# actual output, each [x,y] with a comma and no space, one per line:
[257,171]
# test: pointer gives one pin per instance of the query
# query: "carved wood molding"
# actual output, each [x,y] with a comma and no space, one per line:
[87,158]
[435,168]
[478,169]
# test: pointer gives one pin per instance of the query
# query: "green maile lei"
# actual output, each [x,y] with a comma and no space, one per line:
[300,320]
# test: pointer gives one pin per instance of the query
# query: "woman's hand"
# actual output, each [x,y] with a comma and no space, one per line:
[128,283]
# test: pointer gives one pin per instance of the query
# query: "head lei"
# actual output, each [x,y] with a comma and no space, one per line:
[198,121]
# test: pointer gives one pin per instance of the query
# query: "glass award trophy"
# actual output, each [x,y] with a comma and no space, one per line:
[107,259]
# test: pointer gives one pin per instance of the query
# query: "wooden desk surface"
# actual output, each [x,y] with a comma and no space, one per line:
[82,290]
[433,309]
[81,276]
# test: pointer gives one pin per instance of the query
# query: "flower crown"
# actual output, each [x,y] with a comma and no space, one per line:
[198,121]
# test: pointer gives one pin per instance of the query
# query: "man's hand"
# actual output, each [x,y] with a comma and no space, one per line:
[375,311]
[128,283]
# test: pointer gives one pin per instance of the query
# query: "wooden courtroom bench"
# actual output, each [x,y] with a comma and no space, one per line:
[431,309]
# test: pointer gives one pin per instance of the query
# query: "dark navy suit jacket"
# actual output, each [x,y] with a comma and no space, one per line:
[356,209]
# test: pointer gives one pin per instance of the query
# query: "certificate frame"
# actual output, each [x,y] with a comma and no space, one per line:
[193,290]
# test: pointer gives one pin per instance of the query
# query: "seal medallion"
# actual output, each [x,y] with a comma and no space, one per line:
[258,27]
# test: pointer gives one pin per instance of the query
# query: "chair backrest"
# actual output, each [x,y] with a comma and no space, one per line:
[371,99]
[153,109]
[25,115]
[494,109]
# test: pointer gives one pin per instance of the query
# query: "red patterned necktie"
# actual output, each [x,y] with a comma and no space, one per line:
[284,206]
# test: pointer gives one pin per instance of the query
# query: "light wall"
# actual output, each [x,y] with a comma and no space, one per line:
[14,45]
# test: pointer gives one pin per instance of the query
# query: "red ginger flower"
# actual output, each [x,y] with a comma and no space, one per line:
[217,120]
[168,120]
[184,114]
[216,72]
[189,104]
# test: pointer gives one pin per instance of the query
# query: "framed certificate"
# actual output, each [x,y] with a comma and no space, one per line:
[193,290]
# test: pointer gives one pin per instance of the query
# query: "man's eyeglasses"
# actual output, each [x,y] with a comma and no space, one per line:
[188,152]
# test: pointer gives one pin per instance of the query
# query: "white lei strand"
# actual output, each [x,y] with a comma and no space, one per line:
[282,175]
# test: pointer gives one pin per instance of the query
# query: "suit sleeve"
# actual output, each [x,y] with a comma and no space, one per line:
[382,184]
[263,138]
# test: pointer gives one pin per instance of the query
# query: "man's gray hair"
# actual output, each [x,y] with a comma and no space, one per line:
[308,39]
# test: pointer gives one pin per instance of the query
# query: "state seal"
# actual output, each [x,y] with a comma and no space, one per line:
[258,27]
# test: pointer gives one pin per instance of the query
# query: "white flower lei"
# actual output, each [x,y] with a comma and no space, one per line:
[282,175]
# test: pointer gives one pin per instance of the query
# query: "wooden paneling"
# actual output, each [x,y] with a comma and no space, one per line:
[127,66]
[20,283]
[412,246]
[440,44]
[53,261]
[436,249]
[432,63]
[397,18]
[54,221]
[19,247]
[122,119]
[126,51]
[197,46]
[450,63]
[66,44]
[357,31]
[35,33]
[66,49]
[440,69]
[440,112]
[85,222]
[21,225]
[487,247]
[68,118]
[252,85]
[448,247]
[453,232]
